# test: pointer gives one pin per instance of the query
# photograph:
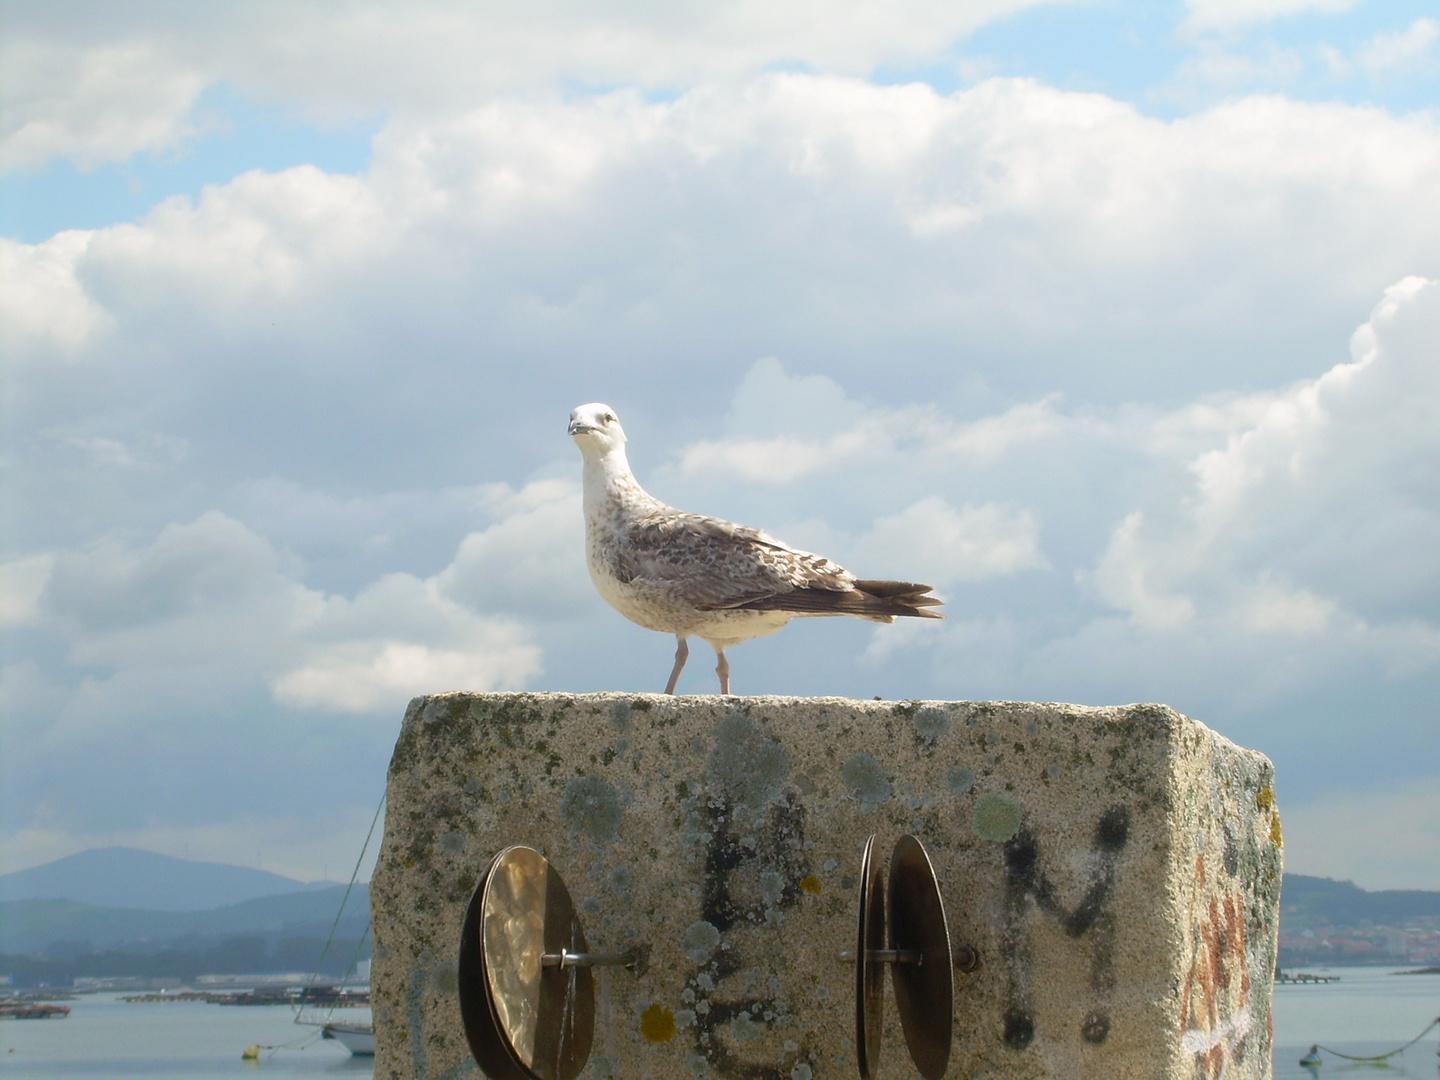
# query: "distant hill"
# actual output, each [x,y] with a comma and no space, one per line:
[1311,901]
[122,877]
[28,926]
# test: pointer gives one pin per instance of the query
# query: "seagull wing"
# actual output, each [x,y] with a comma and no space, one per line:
[715,565]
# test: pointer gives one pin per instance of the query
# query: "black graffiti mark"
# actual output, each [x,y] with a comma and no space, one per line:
[1026,881]
[720,1013]
[1230,856]
[1019,1027]
[734,896]
[778,847]
[1095,1028]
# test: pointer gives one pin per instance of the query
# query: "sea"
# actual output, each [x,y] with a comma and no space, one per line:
[1368,1011]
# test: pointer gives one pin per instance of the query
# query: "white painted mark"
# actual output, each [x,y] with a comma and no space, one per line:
[1202,1042]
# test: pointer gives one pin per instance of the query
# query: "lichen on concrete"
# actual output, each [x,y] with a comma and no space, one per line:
[1117,870]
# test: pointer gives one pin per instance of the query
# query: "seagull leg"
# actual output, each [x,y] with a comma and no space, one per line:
[722,668]
[682,653]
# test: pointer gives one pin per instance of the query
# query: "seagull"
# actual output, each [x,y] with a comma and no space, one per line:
[695,576]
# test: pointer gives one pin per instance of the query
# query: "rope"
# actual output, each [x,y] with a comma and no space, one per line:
[252,1053]
[354,875]
[1313,1058]
[359,948]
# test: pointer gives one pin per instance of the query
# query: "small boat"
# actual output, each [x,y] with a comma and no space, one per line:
[359,1039]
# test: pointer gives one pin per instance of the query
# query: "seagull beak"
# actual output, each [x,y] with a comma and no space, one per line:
[576,427]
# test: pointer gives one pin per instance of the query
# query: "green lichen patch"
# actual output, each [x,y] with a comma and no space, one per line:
[745,765]
[959,778]
[996,817]
[865,778]
[591,805]
[930,722]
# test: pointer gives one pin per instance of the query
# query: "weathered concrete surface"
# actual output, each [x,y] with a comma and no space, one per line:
[1118,870]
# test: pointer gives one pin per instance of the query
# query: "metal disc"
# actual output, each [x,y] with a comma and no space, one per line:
[924,992]
[486,1043]
[869,972]
[540,1020]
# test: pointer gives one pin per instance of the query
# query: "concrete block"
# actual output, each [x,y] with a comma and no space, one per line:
[1117,869]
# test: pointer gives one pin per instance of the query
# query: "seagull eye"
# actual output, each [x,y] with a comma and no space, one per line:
[609,418]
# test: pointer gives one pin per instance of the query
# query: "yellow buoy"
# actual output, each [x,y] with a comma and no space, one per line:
[252,1053]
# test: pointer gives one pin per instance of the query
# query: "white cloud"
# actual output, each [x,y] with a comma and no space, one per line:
[260,241]
[212,594]
[814,214]
[200,666]
[825,431]
[43,299]
[931,541]
[21,584]
[202,590]
[769,461]
[94,105]
[362,677]
[1127,580]
[529,564]
[1234,14]
[1321,513]
[100,89]
[1404,50]
[146,451]
[1233,72]
[1028,423]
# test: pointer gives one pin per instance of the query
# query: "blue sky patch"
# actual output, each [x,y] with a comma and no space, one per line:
[236,136]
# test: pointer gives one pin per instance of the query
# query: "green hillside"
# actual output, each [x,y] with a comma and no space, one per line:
[28,926]
[1307,902]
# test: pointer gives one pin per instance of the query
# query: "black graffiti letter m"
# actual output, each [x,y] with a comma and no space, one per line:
[1025,882]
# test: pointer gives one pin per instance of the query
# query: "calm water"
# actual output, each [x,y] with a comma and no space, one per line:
[1368,1011]
[105,1038]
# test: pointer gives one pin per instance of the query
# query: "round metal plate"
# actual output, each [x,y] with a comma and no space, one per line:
[524,1021]
[486,1043]
[869,972]
[924,992]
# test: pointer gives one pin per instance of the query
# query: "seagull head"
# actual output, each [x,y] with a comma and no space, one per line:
[596,429]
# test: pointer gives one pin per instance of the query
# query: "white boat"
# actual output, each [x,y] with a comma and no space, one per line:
[359,1039]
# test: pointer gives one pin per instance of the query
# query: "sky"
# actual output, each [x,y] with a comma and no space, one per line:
[1116,321]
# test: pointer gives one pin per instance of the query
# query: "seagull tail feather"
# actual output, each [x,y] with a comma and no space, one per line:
[906,598]
[878,601]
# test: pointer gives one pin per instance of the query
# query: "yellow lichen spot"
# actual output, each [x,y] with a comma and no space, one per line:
[1265,797]
[657,1023]
[1275,837]
[811,884]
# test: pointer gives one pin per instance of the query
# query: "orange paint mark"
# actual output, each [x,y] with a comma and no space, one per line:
[811,884]
[1218,984]
[657,1023]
